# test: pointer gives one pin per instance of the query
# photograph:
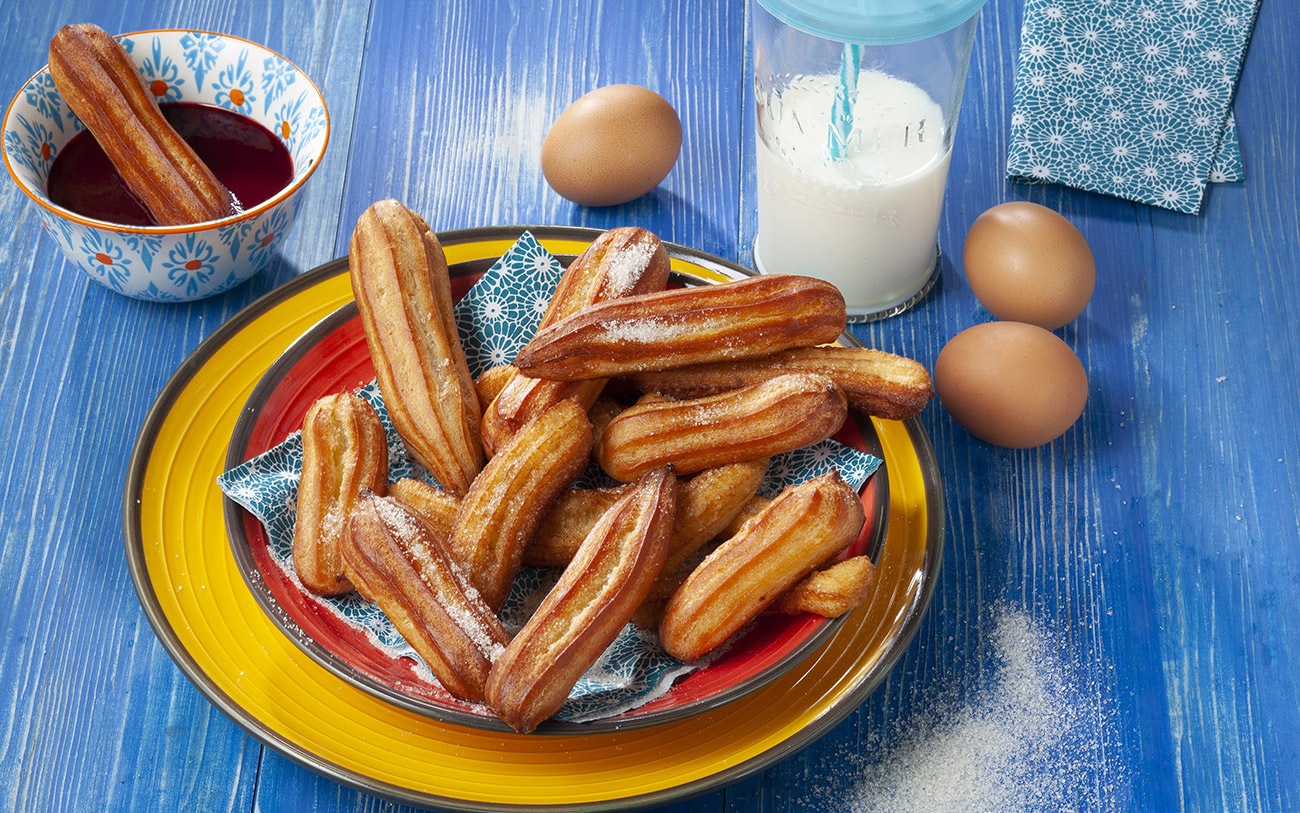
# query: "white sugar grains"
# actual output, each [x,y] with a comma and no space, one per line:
[1036,737]
[625,269]
[644,331]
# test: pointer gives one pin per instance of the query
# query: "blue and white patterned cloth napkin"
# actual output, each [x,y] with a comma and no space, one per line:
[496,317]
[1130,97]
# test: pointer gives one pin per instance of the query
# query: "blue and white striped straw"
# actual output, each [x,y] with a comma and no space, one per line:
[837,139]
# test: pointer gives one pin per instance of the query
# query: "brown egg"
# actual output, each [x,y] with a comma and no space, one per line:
[1011,384]
[1026,263]
[611,146]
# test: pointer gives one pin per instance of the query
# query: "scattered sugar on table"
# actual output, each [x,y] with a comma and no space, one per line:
[1037,739]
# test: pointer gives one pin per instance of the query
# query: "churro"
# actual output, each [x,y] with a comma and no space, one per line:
[410,574]
[516,489]
[803,527]
[400,280]
[343,451]
[831,592]
[102,86]
[748,318]
[595,597]
[874,382]
[785,413]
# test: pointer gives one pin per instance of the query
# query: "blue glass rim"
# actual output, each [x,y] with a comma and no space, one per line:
[873,22]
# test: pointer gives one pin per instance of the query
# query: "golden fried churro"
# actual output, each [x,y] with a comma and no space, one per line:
[102,86]
[594,598]
[875,383]
[516,489]
[343,451]
[437,507]
[785,413]
[491,381]
[844,586]
[569,521]
[620,262]
[804,525]
[411,576]
[748,318]
[399,278]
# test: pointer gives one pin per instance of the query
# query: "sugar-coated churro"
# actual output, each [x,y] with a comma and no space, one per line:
[517,487]
[409,573]
[748,318]
[785,413]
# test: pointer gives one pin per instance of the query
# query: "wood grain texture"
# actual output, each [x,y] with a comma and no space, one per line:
[455,105]
[1154,550]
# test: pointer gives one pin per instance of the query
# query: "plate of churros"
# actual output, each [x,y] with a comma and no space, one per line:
[673,520]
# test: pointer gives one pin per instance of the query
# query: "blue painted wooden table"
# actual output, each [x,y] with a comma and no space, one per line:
[1115,624]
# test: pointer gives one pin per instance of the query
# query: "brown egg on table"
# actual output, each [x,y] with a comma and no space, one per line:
[1011,384]
[612,145]
[1026,263]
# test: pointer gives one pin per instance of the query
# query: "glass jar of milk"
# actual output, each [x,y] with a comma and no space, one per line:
[857,104]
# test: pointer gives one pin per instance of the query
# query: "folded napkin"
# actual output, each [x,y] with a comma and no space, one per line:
[496,317]
[1130,98]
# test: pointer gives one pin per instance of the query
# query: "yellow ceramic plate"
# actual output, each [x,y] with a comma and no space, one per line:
[211,624]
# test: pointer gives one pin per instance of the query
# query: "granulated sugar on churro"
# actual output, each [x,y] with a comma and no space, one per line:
[627,268]
[397,519]
[1041,736]
[645,331]
[411,539]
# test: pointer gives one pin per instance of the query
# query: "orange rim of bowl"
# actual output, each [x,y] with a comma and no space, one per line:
[206,225]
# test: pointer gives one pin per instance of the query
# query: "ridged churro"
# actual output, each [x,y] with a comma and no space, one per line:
[707,502]
[748,318]
[400,280]
[785,413]
[343,451]
[501,510]
[874,382]
[411,576]
[831,592]
[595,597]
[803,527]
[102,86]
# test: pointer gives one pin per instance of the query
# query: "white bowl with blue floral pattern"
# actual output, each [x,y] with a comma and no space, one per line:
[176,263]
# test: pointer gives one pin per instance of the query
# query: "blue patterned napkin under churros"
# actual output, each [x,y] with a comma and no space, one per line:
[1130,98]
[496,317]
